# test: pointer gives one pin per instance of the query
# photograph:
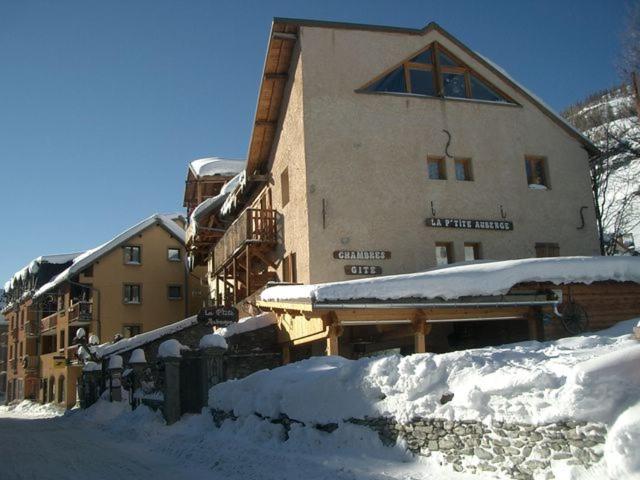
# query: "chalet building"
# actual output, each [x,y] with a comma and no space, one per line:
[136,282]
[23,319]
[382,150]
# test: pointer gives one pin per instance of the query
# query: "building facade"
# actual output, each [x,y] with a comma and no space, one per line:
[382,150]
[136,282]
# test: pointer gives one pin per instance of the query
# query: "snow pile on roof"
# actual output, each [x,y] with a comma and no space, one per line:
[127,344]
[594,378]
[87,258]
[206,167]
[212,204]
[171,348]
[477,279]
[213,340]
[232,200]
[34,266]
[249,324]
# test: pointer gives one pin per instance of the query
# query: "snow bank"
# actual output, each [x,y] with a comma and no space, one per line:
[484,278]
[525,382]
[622,451]
[29,409]
[213,340]
[248,324]
[127,344]
[171,348]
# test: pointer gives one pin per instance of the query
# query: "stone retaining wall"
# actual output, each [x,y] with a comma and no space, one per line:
[517,451]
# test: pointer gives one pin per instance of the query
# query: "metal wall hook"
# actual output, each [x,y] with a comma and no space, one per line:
[446,148]
[433,210]
[502,214]
[582,223]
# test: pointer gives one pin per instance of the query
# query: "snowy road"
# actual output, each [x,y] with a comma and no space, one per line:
[111,443]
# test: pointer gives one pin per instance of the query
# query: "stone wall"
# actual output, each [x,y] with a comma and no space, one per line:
[517,451]
[251,351]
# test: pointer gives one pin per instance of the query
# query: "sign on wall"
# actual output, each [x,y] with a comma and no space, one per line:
[472,224]
[361,255]
[218,316]
[362,270]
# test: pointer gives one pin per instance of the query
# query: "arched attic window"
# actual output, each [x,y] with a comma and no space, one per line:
[436,72]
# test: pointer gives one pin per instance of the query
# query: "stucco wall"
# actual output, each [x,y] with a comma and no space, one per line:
[366,156]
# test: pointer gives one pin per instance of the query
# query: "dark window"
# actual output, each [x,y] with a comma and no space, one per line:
[20,350]
[436,168]
[463,169]
[444,253]
[547,250]
[445,60]
[424,57]
[132,293]
[88,272]
[454,85]
[536,172]
[471,251]
[173,254]
[284,185]
[393,82]
[132,255]
[482,91]
[174,292]
[422,82]
[129,331]
[61,343]
[290,269]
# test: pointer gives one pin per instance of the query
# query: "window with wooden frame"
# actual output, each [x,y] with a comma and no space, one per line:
[132,293]
[436,72]
[132,254]
[436,168]
[444,253]
[173,254]
[284,186]
[471,251]
[290,269]
[547,250]
[537,176]
[463,169]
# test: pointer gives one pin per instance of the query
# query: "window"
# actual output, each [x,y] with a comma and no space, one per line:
[547,250]
[173,254]
[174,292]
[132,293]
[129,331]
[436,168]
[536,172]
[20,349]
[284,186]
[132,255]
[61,344]
[88,272]
[444,253]
[290,269]
[471,252]
[436,72]
[463,169]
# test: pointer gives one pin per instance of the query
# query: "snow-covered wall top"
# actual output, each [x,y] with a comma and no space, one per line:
[249,324]
[475,279]
[87,258]
[205,167]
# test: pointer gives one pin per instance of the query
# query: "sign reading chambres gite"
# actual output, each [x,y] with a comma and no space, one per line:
[472,224]
[362,270]
[361,255]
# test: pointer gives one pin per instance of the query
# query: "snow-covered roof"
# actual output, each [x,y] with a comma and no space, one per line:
[87,258]
[127,344]
[248,324]
[463,280]
[213,204]
[34,265]
[207,167]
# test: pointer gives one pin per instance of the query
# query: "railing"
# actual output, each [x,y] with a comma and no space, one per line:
[71,353]
[31,327]
[49,323]
[80,312]
[252,226]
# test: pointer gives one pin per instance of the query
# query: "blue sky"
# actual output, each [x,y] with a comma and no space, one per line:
[103,103]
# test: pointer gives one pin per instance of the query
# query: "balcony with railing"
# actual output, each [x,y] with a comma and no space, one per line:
[81,313]
[31,362]
[256,227]
[48,324]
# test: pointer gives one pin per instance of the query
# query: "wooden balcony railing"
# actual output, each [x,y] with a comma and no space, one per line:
[48,324]
[255,226]
[80,313]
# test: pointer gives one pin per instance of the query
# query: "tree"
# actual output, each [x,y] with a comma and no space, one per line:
[630,58]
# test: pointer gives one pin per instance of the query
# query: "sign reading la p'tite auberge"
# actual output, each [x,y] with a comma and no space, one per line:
[504,225]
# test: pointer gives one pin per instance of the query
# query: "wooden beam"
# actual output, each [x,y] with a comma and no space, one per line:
[286,354]
[420,332]
[276,76]
[285,36]
[247,270]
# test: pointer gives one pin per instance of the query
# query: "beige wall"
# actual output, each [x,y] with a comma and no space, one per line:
[365,154]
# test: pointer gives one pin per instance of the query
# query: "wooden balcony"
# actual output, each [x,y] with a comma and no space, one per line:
[80,313]
[253,226]
[31,362]
[48,324]
[31,328]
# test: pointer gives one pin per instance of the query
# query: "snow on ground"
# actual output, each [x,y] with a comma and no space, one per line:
[480,278]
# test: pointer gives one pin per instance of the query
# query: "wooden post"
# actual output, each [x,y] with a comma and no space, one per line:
[335,330]
[420,331]
[536,329]
[286,354]
[247,271]
[234,274]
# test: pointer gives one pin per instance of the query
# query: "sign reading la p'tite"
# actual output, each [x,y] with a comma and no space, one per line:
[472,224]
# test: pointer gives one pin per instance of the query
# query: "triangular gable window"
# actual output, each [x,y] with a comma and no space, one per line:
[435,72]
